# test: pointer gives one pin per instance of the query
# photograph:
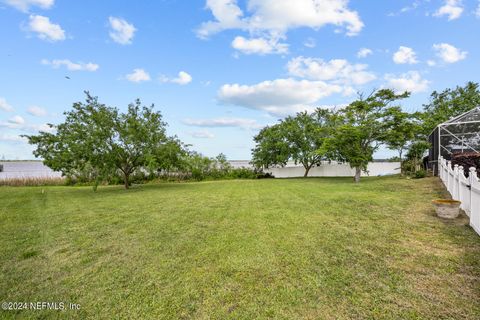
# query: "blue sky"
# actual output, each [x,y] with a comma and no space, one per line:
[218,70]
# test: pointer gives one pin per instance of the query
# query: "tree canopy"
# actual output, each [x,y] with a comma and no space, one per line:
[361,127]
[402,128]
[110,142]
[448,104]
[297,138]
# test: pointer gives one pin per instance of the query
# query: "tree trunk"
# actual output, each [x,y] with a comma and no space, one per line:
[401,162]
[125,179]
[307,169]
[358,172]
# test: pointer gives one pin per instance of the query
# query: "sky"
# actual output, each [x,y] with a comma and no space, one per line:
[219,70]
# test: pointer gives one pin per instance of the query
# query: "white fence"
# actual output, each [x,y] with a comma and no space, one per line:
[466,190]
[334,169]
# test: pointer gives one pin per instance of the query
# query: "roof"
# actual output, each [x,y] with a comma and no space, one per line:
[469,116]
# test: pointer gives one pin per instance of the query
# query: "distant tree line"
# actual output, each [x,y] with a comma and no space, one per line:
[353,133]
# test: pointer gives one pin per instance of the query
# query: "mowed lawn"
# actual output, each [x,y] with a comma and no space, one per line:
[313,248]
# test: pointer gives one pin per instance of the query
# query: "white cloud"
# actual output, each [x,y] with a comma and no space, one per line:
[364,52]
[477,12]
[45,29]
[16,120]
[223,122]
[453,9]
[338,71]
[277,97]
[183,78]
[12,138]
[5,106]
[449,53]
[37,111]
[122,32]
[405,55]
[431,63]
[202,134]
[72,66]
[310,43]
[411,81]
[24,5]
[277,17]
[270,20]
[227,15]
[18,123]
[260,46]
[411,7]
[138,75]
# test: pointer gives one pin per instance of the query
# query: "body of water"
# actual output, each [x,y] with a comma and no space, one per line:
[26,169]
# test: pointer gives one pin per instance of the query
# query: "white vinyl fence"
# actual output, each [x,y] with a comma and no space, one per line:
[335,169]
[466,190]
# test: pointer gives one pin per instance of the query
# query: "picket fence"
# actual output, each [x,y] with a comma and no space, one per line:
[466,190]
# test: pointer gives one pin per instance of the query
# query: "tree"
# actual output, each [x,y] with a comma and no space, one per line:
[448,104]
[172,156]
[97,136]
[358,129]
[403,128]
[415,155]
[305,135]
[271,147]
[297,138]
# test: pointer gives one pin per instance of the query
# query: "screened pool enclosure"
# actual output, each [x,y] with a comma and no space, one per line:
[458,135]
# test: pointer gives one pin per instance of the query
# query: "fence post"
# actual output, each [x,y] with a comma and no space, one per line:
[474,200]
[447,171]
[472,175]
[463,191]
[440,168]
[456,183]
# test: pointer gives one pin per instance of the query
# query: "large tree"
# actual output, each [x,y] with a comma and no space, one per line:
[271,147]
[402,129]
[359,129]
[448,104]
[297,138]
[100,137]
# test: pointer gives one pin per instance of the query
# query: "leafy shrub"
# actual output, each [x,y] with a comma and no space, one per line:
[420,174]
[413,162]
[408,167]
[264,175]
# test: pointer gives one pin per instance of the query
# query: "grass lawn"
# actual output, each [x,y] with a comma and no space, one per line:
[252,249]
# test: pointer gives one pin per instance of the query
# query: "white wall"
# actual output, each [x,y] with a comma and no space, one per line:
[335,170]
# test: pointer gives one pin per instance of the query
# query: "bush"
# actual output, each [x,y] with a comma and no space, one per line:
[264,175]
[420,174]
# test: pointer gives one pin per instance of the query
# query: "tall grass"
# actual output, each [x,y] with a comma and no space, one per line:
[44,181]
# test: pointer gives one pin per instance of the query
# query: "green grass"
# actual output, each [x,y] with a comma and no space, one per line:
[251,249]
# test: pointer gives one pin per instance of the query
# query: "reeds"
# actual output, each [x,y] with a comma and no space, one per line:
[22,182]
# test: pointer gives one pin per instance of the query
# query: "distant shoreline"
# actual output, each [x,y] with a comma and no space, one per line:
[20,161]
